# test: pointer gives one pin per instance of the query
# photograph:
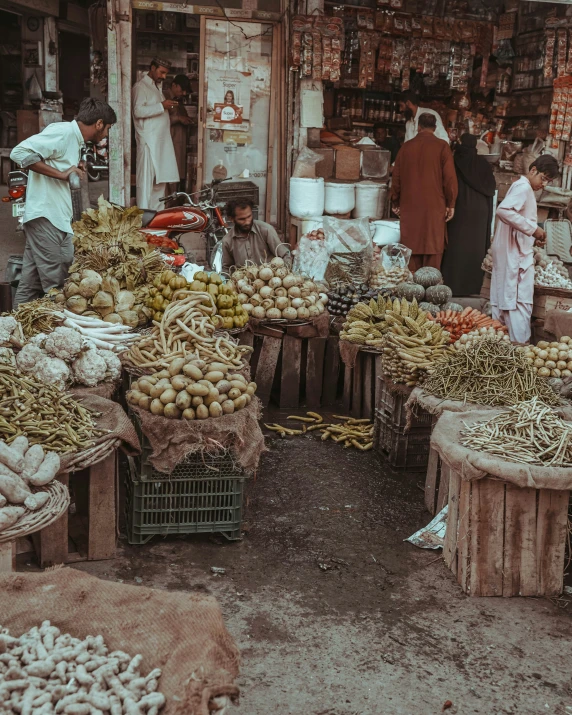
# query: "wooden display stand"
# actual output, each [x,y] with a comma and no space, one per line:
[97,519]
[293,365]
[362,385]
[436,483]
[546,299]
[503,540]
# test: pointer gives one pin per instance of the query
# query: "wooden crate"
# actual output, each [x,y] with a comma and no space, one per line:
[502,540]
[90,534]
[362,385]
[294,368]
[543,302]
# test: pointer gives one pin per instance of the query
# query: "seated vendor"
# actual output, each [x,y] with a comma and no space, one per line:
[249,239]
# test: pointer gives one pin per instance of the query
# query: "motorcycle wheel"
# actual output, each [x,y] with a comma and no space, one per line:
[93,175]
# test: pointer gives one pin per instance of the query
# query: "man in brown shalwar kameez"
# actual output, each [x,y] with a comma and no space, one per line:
[423,192]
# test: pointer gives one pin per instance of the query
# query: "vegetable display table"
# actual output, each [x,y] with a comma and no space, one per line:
[507,522]
[294,363]
[98,518]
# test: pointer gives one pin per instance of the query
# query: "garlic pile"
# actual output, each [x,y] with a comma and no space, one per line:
[271,291]
[550,277]
[380,278]
[551,359]
[469,339]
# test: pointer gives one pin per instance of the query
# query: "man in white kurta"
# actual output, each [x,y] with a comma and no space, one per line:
[156,160]
[517,232]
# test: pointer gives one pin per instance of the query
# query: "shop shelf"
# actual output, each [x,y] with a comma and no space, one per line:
[204,494]
[403,450]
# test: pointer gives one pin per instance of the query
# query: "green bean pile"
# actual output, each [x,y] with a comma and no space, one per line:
[44,414]
[527,433]
[490,372]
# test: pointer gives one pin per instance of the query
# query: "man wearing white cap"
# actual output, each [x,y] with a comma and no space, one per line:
[156,160]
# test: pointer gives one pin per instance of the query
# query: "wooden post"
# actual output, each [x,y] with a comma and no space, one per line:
[519,571]
[125,33]
[331,372]
[101,536]
[50,54]
[367,409]
[203,84]
[550,540]
[348,382]
[431,480]
[450,543]
[357,387]
[266,367]
[114,97]
[7,557]
[272,122]
[315,371]
[51,543]
[487,535]
[290,378]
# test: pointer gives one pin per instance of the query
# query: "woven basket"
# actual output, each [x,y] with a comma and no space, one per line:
[88,457]
[33,521]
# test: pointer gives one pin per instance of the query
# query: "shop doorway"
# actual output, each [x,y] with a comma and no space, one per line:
[11,92]
[74,65]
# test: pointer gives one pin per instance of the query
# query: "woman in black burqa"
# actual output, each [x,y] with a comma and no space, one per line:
[469,231]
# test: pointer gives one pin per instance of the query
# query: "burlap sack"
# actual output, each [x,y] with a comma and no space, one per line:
[104,389]
[181,633]
[558,322]
[471,465]
[348,353]
[437,405]
[113,419]
[173,440]
[320,325]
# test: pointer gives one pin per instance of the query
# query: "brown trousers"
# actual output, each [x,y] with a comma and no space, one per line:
[420,260]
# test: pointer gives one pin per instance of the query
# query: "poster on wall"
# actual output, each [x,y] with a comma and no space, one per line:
[228,100]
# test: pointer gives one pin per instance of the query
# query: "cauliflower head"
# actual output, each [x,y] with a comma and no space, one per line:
[38,339]
[53,371]
[89,368]
[113,365]
[64,343]
[7,326]
[29,356]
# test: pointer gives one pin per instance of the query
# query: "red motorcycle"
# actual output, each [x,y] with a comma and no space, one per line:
[164,228]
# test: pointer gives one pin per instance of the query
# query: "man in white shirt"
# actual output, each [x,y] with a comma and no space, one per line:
[156,159]
[409,104]
[50,158]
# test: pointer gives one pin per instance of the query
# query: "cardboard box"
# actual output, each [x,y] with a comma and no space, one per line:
[375,164]
[325,168]
[313,140]
[348,162]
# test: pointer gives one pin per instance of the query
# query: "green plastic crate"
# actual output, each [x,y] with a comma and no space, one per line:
[193,499]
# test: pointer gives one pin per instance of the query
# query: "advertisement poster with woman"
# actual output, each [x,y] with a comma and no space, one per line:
[228,100]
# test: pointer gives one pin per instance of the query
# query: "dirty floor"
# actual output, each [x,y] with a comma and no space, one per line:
[335,615]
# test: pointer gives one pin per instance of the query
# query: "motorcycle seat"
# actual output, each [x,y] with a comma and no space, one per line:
[147,217]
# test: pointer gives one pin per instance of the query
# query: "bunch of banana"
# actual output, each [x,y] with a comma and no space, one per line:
[365,323]
[411,343]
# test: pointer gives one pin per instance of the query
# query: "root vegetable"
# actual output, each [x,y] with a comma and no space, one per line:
[47,471]
[36,501]
[12,458]
[9,515]
[32,461]
[12,486]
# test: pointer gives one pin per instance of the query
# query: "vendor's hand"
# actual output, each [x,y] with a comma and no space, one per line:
[396,210]
[168,104]
[540,236]
[74,169]
[449,213]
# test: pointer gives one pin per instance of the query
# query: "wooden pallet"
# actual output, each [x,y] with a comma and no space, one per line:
[362,385]
[293,367]
[91,532]
[502,540]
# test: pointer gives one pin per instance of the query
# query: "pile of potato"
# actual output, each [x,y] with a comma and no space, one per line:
[551,359]
[192,389]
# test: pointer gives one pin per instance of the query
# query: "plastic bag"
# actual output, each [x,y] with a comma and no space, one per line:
[347,235]
[311,258]
[305,166]
[395,255]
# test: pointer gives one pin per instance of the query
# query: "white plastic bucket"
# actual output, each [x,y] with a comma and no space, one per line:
[370,199]
[385,232]
[340,198]
[307,197]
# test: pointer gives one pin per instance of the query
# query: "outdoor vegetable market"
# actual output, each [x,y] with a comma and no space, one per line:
[285,357]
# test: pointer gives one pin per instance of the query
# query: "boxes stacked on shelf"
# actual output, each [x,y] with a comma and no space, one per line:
[203,494]
[404,448]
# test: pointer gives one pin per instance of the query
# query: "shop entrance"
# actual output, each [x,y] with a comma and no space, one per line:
[74,71]
[11,94]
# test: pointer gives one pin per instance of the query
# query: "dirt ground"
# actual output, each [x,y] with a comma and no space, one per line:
[335,615]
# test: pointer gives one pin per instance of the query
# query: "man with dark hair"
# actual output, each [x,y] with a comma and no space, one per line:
[156,160]
[249,239]
[384,141]
[517,232]
[50,157]
[180,120]
[423,191]
[409,104]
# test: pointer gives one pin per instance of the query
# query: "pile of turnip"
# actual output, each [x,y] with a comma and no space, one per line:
[23,468]
[270,291]
[45,671]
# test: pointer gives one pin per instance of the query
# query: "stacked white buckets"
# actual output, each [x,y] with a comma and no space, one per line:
[314,197]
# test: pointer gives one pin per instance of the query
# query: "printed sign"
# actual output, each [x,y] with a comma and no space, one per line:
[228,100]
